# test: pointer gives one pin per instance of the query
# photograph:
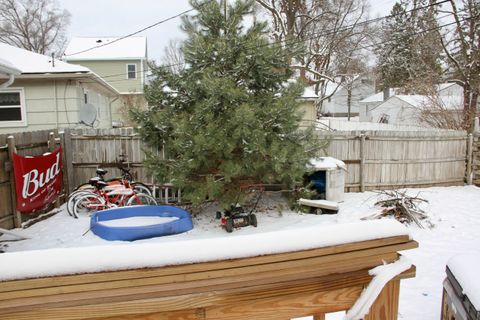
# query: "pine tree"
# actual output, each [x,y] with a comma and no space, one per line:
[396,53]
[230,115]
[410,53]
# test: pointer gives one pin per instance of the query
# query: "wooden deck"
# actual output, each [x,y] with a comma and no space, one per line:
[279,286]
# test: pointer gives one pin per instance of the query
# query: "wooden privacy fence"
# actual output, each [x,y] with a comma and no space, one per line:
[88,149]
[476,159]
[392,159]
[375,159]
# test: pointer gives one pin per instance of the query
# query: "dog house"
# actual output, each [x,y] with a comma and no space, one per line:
[327,177]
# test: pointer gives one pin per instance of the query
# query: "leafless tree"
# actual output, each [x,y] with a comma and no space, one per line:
[173,56]
[331,30]
[461,45]
[442,112]
[35,25]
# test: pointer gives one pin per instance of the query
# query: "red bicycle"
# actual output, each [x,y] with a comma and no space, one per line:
[107,196]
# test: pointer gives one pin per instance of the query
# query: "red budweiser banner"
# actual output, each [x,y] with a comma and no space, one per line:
[38,180]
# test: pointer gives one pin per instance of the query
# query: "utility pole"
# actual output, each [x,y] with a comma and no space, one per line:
[225,9]
[348,84]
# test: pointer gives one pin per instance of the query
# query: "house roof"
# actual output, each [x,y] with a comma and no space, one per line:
[28,62]
[309,94]
[106,48]
[443,86]
[8,68]
[419,101]
[378,97]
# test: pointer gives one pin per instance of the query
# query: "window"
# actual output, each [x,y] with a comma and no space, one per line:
[12,108]
[131,71]
[384,118]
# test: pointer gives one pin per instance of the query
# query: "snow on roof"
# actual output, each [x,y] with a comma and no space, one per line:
[325,163]
[106,48]
[309,93]
[465,270]
[31,62]
[443,86]
[63,261]
[8,68]
[378,97]
[418,101]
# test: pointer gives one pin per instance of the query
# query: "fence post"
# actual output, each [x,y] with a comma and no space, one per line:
[52,143]
[68,160]
[469,158]
[17,216]
[362,161]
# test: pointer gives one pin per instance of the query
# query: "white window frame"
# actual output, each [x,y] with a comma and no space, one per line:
[23,111]
[384,118]
[132,64]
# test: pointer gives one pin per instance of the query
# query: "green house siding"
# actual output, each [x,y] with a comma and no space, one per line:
[56,103]
[309,113]
[115,73]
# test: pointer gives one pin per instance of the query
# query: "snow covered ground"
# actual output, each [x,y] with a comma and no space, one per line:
[454,211]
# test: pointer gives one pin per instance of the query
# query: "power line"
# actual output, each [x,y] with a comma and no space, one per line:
[312,36]
[367,46]
[134,33]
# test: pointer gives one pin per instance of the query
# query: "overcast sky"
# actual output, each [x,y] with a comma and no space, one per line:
[121,17]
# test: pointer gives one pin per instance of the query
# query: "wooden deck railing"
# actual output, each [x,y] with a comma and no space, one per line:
[279,286]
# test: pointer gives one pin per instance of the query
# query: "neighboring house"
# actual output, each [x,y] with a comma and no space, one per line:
[46,93]
[308,107]
[336,105]
[407,109]
[371,102]
[449,89]
[122,62]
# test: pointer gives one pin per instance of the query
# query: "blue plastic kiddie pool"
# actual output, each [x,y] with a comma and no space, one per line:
[183,222]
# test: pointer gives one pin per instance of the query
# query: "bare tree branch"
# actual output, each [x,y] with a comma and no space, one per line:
[35,25]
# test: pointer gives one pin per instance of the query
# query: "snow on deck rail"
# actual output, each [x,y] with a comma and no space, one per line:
[64,261]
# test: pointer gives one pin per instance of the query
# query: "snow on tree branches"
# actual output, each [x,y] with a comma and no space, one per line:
[230,115]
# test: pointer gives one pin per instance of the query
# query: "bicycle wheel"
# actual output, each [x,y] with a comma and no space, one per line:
[86,204]
[140,187]
[72,198]
[84,187]
[141,199]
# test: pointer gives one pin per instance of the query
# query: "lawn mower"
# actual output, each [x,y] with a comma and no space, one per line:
[237,216]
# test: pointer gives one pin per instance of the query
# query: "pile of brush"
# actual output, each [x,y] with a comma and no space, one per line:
[404,208]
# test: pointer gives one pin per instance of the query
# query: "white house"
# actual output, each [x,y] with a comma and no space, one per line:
[358,87]
[449,89]
[369,104]
[38,92]
[407,109]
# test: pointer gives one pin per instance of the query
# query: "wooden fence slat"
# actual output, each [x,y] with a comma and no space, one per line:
[17,218]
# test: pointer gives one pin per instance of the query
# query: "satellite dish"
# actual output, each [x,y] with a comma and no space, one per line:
[88,114]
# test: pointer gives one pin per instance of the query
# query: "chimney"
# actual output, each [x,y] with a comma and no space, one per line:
[386,93]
